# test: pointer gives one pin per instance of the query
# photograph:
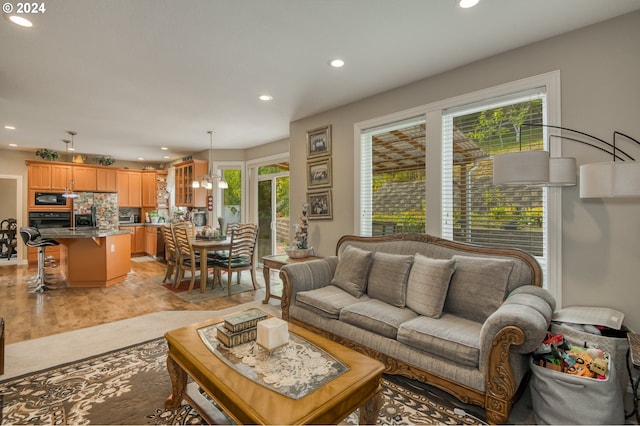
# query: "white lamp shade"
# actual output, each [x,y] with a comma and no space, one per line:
[223,184]
[609,180]
[195,184]
[521,168]
[562,171]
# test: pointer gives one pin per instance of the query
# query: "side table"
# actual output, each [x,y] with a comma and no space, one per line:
[277,261]
[634,357]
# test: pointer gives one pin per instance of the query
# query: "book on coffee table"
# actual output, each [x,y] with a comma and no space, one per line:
[244,320]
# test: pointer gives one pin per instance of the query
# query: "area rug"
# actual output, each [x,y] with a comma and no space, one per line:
[182,291]
[130,386]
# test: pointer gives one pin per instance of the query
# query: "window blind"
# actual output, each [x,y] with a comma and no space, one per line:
[474,210]
[392,178]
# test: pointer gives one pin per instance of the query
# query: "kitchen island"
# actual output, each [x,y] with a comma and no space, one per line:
[91,257]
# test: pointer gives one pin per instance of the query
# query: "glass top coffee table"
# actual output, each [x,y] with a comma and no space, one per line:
[313,380]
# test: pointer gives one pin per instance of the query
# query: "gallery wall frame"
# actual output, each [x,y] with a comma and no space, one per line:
[319,173]
[319,204]
[319,142]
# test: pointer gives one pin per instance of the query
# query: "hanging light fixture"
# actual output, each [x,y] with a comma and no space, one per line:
[206,181]
[68,193]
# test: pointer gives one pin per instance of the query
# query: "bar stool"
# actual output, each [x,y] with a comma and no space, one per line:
[32,238]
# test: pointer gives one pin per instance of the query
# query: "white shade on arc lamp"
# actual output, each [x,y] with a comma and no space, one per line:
[598,180]
[206,181]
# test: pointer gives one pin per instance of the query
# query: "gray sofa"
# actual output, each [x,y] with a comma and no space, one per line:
[460,317]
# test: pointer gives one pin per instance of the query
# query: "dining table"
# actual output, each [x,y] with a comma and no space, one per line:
[204,246]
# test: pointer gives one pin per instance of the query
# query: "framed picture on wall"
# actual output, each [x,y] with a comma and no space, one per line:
[319,203]
[319,173]
[319,142]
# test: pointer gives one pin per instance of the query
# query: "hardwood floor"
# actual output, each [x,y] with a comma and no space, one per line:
[29,316]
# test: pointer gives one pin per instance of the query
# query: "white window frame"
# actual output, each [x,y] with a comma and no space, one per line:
[433,115]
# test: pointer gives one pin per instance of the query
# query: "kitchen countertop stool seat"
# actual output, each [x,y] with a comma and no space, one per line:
[32,238]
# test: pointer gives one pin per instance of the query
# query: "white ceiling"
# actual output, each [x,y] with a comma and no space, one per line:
[131,76]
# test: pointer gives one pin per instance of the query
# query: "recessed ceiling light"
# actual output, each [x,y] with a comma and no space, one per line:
[19,20]
[336,63]
[140,158]
[9,127]
[466,4]
[13,144]
[164,148]
[265,97]
[166,156]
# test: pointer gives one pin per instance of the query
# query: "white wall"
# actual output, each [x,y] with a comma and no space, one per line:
[599,68]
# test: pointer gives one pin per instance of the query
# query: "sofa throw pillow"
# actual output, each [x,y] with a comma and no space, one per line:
[352,270]
[388,278]
[478,286]
[428,284]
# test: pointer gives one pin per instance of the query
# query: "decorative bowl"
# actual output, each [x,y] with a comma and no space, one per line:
[296,253]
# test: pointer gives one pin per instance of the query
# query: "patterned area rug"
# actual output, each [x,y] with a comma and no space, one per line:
[130,385]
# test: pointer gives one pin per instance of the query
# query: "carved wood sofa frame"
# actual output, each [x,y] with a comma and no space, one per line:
[500,389]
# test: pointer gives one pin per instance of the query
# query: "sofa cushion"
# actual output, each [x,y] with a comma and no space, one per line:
[478,286]
[376,316]
[428,284]
[388,278]
[451,337]
[327,301]
[352,271]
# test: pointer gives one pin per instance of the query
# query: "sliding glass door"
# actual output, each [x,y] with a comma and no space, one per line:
[273,209]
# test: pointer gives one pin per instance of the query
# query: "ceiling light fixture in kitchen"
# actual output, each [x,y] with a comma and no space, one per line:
[68,193]
[206,181]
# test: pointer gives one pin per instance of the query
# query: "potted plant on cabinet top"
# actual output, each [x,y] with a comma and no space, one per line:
[47,154]
[105,160]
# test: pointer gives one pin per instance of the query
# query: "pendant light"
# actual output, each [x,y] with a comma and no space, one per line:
[69,190]
[206,181]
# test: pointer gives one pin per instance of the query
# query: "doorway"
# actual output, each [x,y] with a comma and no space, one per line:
[273,209]
[11,208]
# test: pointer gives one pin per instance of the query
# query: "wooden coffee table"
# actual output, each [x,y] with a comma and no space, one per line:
[247,401]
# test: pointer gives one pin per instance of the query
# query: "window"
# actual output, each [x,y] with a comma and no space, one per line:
[392,196]
[474,210]
[459,202]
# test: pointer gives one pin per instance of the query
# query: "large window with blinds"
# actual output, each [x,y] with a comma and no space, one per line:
[393,178]
[474,210]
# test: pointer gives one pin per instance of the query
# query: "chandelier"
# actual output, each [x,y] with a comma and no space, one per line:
[206,181]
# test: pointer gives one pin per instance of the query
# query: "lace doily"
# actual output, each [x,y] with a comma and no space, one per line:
[294,370]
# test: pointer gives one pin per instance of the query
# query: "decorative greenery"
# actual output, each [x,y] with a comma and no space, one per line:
[105,160]
[47,154]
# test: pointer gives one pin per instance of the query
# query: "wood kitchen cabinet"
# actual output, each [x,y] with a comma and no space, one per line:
[129,188]
[150,240]
[137,238]
[48,176]
[149,189]
[84,178]
[186,172]
[107,180]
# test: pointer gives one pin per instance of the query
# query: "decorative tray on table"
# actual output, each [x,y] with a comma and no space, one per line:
[211,237]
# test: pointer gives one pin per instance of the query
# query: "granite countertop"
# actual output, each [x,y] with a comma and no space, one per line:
[143,224]
[80,232]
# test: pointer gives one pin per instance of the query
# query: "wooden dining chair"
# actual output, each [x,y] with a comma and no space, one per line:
[171,255]
[241,254]
[189,261]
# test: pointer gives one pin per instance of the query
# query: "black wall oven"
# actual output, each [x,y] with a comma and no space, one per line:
[49,199]
[43,220]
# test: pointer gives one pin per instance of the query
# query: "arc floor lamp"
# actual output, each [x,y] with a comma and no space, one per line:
[617,178]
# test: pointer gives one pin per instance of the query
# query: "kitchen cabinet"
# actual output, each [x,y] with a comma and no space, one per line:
[150,240]
[137,238]
[149,189]
[129,188]
[162,195]
[84,178]
[186,172]
[48,176]
[106,180]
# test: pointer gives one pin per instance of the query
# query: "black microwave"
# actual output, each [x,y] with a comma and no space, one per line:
[49,199]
